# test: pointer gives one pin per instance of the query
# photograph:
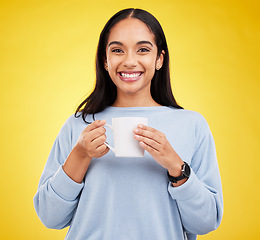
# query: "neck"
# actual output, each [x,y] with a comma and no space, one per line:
[135,101]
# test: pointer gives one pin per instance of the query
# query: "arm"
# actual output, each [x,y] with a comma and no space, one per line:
[199,198]
[61,182]
[57,195]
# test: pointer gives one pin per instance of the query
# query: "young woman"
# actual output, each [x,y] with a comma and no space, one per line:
[174,191]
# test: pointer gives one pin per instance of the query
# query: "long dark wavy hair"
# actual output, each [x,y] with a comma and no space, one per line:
[105,91]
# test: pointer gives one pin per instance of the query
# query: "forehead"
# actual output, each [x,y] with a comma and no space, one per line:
[130,30]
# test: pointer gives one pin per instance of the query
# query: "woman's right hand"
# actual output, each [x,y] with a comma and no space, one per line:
[90,145]
[91,141]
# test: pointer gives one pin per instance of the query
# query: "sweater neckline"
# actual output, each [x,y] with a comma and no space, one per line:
[138,108]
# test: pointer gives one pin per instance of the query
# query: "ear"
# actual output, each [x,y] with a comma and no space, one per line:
[105,64]
[159,61]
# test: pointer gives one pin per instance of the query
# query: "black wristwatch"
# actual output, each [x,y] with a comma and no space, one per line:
[185,173]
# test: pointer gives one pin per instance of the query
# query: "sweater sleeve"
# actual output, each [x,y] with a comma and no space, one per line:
[200,199]
[57,195]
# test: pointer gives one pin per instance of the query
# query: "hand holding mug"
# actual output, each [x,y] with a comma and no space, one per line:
[91,141]
[90,144]
[156,143]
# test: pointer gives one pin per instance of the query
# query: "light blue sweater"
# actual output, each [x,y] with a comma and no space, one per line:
[132,198]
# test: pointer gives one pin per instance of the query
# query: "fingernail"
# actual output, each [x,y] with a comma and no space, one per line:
[136,130]
[137,137]
[140,126]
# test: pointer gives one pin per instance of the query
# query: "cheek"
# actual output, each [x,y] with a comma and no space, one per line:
[112,70]
[150,62]
[150,67]
[151,73]
[112,64]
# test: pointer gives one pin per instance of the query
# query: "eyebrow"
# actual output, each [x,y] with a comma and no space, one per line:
[121,44]
[145,42]
[115,42]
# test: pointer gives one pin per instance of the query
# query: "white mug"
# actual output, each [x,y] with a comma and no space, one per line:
[124,143]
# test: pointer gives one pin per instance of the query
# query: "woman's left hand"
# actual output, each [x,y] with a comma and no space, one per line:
[155,143]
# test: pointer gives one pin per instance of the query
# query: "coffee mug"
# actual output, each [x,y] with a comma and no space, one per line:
[124,143]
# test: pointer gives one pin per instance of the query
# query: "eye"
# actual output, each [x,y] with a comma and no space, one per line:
[116,50]
[143,50]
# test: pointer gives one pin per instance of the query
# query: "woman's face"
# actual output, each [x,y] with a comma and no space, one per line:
[131,56]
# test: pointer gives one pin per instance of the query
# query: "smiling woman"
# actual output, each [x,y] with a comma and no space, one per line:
[131,59]
[174,191]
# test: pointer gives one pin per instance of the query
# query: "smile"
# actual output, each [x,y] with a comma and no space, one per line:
[130,76]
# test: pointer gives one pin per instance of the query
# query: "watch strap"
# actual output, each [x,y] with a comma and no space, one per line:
[175,179]
[185,173]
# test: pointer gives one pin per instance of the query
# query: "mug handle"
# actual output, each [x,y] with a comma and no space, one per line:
[110,147]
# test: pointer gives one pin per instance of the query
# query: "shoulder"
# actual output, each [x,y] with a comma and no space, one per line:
[188,115]
[73,125]
[73,121]
[192,120]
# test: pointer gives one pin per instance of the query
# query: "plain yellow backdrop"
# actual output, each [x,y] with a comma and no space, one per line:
[47,59]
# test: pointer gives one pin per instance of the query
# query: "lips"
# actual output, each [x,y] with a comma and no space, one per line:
[130,76]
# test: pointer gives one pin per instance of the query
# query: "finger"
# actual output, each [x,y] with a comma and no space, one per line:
[96,133]
[103,152]
[144,127]
[148,141]
[99,140]
[155,135]
[95,124]
[149,149]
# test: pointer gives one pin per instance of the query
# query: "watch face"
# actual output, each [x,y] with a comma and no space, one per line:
[186,170]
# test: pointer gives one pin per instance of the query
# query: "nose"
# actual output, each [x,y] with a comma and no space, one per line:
[130,60]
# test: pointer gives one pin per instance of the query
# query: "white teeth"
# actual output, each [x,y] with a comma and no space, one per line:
[132,75]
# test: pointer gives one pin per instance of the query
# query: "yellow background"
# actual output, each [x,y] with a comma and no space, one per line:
[47,53]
